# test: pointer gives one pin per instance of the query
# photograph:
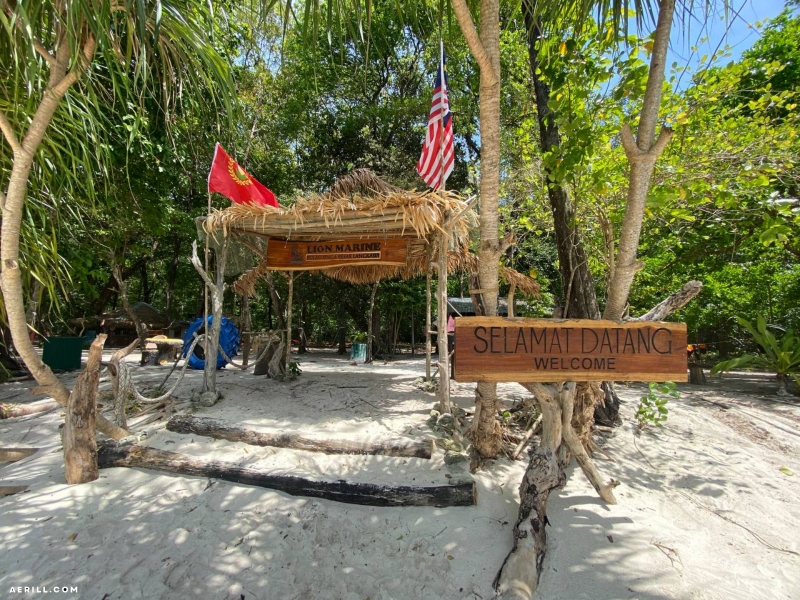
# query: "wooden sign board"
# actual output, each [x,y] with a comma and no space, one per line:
[301,256]
[525,350]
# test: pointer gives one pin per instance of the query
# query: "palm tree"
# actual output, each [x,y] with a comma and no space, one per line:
[81,54]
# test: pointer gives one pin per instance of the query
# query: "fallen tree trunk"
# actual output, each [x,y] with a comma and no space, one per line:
[112,454]
[10,411]
[15,454]
[221,430]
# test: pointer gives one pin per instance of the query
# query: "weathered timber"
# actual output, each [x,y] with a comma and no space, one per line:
[221,430]
[78,437]
[10,411]
[15,454]
[10,490]
[112,454]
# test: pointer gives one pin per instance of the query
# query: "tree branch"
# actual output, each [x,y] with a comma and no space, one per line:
[8,133]
[672,303]
[70,78]
[199,268]
[474,41]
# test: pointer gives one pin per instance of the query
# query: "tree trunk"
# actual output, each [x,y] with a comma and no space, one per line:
[60,81]
[485,48]
[221,430]
[122,286]
[275,300]
[217,293]
[77,434]
[172,274]
[369,320]
[112,454]
[143,274]
[519,575]
[289,294]
[577,283]
[642,156]
[246,327]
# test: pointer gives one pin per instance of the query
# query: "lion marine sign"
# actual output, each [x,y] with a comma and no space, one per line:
[299,256]
[499,349]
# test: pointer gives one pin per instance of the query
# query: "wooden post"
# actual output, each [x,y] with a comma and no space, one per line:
[246,326]
[368,358]
[412,332]
[428,325]
[289,320]
[77,434]
[441,338]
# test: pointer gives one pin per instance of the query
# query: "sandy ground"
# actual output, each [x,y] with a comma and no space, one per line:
[704,511]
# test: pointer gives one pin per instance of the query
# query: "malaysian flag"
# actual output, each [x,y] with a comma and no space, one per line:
[438,152]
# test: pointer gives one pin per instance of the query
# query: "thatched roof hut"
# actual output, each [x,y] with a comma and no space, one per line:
[358,206]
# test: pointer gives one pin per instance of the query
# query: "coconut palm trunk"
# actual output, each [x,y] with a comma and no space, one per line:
[485,48]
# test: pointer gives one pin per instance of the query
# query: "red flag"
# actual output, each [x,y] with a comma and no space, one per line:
[231,180]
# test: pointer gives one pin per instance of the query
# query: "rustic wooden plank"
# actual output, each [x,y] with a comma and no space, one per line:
[531,350]
[304,255]
[112,454]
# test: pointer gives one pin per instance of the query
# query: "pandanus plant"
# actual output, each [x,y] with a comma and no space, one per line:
[781,354]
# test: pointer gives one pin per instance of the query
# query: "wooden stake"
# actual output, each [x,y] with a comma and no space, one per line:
[77,434]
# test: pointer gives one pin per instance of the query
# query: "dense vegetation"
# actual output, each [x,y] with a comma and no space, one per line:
[121,178]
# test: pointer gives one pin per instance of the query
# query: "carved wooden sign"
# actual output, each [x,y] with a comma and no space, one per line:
[300,256]
[499,349]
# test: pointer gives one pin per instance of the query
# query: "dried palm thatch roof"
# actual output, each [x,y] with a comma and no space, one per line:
[359,205]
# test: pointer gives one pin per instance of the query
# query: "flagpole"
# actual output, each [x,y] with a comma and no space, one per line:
[441,292]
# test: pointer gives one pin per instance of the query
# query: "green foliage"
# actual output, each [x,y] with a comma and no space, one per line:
[294,369]
[781,354]
[652,409]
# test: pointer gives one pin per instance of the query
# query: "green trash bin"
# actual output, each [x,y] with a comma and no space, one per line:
[358,352]
[62,353]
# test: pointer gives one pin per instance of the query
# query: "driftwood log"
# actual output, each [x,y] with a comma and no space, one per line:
[221,430]
[11,411]
[112,454]
[77,434]
[10,490]
[15,454]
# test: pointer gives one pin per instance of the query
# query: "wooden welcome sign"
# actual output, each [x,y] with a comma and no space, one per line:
[298,256]
[526,350]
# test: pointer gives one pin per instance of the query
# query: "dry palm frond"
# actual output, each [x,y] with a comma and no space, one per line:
[359,205]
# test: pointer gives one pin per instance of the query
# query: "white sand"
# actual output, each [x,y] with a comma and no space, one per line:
[140,534]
